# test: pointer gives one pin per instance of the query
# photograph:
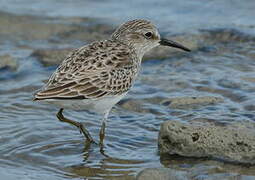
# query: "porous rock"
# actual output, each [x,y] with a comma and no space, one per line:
[232,142]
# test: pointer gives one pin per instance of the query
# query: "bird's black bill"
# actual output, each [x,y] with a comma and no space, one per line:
[166,42]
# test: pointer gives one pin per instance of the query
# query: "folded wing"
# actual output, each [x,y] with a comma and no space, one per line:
[94,71]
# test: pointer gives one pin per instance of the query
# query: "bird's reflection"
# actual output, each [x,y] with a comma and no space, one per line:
[98,164]
[87,150]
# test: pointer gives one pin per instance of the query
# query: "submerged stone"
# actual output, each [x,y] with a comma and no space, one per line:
[182,102]
[161,173]
[196,173]
[7,61]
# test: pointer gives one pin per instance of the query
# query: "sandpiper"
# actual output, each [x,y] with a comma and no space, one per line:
[97,76]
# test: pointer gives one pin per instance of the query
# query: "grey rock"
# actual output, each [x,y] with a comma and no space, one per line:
[204,172]
[229,142]
[181,102]
[161,174]
[196,173]
[133,105]
[7,61]
[140,105]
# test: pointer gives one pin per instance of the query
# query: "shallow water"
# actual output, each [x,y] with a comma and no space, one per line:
[171,15]
[35,145]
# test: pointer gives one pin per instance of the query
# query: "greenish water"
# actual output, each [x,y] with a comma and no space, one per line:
[35,145]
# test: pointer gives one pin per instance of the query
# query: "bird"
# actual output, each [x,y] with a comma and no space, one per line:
[97,76]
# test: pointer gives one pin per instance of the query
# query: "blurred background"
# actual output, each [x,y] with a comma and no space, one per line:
[36,35]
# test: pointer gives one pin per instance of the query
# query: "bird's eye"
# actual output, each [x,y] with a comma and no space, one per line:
[148,34]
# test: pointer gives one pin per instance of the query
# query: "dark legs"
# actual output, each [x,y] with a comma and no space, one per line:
[102,130]
[102,135]
[82,129]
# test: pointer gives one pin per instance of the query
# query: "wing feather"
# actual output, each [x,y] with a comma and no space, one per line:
[94,71]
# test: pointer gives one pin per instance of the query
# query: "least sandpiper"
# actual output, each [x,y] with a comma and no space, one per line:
[97,76]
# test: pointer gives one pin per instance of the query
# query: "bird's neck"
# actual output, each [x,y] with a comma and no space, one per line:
[136,51]
[137,48]
[138,56]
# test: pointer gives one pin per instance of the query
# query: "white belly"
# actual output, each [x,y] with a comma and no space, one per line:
[101,105]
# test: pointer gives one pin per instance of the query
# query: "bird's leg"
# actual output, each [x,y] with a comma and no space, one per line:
[102,135]
[79,125]
[102,131]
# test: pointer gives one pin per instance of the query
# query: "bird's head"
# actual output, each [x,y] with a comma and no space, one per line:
[142,35]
